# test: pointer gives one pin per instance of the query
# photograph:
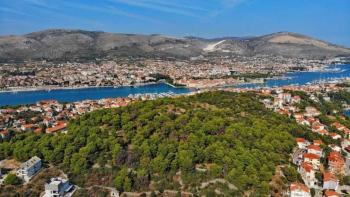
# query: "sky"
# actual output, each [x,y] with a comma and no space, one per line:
[327,20]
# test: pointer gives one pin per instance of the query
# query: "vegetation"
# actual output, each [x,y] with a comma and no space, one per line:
[12,179]
[160,143]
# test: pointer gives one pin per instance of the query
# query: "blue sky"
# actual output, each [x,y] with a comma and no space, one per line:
[324,19]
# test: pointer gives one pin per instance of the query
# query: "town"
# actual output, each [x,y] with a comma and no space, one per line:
[199,72]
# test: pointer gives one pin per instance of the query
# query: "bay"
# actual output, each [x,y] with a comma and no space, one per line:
[302,78]
[72,95]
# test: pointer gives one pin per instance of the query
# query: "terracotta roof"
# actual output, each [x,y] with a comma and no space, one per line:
[299,186]
[334,134]
[306,166]
[314,147]
[300,139]
[328,176]
[311,156]
[331,193]
[317,142]
[56,128]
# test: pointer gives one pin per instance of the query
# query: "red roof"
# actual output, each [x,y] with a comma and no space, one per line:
[300,140]
[311,156]
[56,128]
[327,176]
[299,186]
[317,142]
[306,166]
[314,147]
[331,193]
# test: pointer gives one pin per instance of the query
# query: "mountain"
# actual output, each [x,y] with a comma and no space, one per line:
[79,44]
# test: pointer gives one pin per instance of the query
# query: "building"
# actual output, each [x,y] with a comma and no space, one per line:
[60,126]
[336,163]
[314,149]
[330,181]
[57,187]
[311,112]
[308,174]
[302,143]
[312,159]
[29,168]
[299,190]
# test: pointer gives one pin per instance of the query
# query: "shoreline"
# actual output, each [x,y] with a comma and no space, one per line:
[49,88]
[15,90]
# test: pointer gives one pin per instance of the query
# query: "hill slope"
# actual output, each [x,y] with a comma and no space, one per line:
[161,144]
[71,44]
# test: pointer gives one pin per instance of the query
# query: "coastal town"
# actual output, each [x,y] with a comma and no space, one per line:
[199,72]
[322,162]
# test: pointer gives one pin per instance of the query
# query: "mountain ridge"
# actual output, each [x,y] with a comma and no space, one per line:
[70,44]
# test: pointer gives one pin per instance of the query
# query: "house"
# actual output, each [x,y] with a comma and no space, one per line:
[299,190]
[311,112]
[334,136]
[336,163]
[335,147]
[302,121]
[312,159]
[57,187]
[285,97]
[308,174]
[27,127]
[296,99]
[302,143]
[323,132]
[345,142]
[330,181]
[29,168]
[60,126]
[317,142]
[298,116]
[314,149]
[331,193]
[338,126]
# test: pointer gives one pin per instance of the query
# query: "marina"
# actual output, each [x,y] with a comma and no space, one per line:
[331,74]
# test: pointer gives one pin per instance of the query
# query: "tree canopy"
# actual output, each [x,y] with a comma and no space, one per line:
[162,142]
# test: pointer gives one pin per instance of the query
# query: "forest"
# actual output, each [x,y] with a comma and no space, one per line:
[171,143]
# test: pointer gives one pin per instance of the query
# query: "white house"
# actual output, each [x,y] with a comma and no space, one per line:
[302,143]
[330,181]
[57,187]
[299,190]
[308,174]
[29,168]
[313,159]
[314,149]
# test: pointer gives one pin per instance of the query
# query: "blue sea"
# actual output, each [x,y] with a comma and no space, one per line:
[302,78]
[72,95]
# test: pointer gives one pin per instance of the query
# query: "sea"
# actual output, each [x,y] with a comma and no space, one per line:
[72,95]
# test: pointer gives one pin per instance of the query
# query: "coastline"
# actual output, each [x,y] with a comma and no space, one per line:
[49,88]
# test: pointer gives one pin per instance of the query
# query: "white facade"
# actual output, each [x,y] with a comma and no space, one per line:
[57,187]
[29,168]
[299,193]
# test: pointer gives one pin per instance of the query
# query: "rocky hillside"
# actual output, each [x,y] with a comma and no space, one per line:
[72,44]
